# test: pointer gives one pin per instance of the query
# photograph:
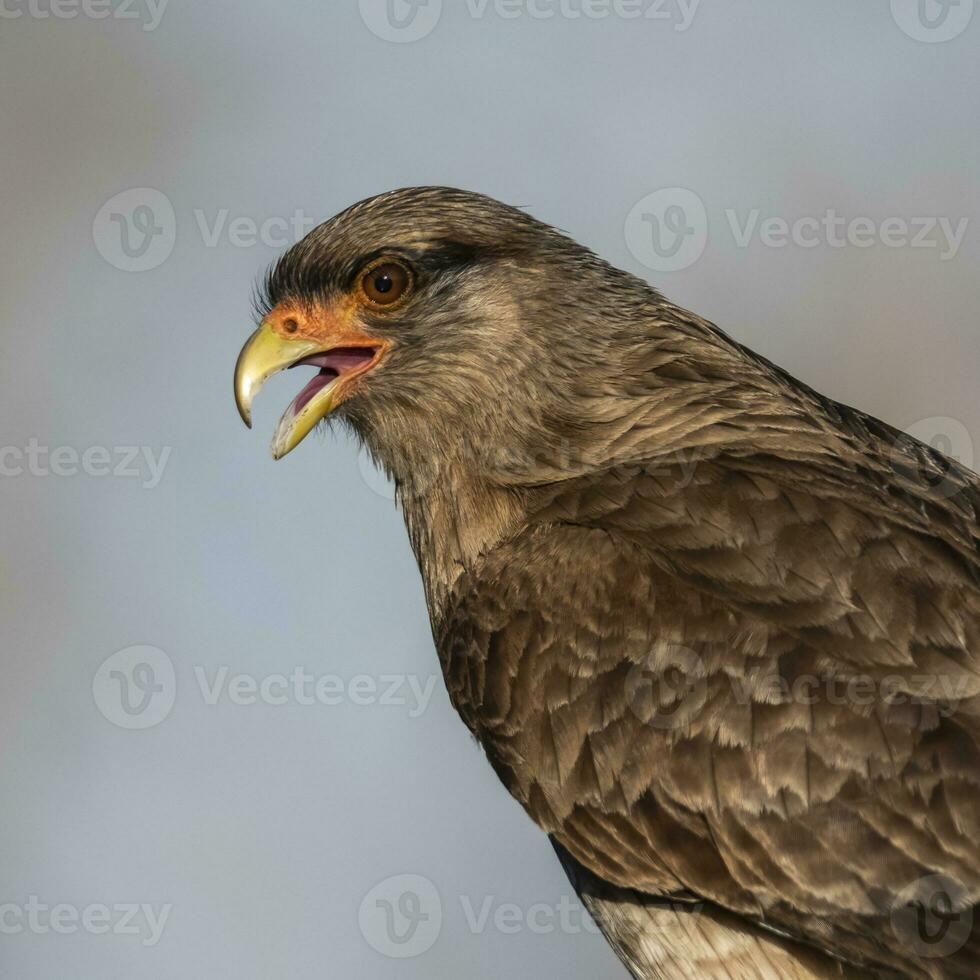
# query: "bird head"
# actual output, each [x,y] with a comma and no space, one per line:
[441,325]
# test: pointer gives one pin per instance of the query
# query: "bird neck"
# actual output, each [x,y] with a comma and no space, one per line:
[452,520]
[672,393]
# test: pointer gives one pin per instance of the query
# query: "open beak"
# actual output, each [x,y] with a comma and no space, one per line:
[268,351]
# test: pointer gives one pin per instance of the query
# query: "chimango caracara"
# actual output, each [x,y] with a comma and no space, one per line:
[718,635]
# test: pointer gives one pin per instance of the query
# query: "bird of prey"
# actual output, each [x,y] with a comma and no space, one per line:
[718,634]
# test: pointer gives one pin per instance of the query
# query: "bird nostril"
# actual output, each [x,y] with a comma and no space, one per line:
[290,325]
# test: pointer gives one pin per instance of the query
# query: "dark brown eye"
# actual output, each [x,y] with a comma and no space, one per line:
[386,284]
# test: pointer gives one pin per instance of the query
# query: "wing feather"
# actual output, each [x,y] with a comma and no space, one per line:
[758,683]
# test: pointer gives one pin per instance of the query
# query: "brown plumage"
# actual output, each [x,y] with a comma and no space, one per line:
[718,635]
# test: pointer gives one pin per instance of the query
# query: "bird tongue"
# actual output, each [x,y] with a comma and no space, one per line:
[332,365]
[317,383]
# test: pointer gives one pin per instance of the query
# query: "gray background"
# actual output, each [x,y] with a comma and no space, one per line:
[264,826]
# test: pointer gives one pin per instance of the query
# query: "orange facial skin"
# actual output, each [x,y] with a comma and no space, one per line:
[329,326]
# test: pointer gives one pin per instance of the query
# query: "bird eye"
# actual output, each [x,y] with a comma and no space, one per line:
[386,283]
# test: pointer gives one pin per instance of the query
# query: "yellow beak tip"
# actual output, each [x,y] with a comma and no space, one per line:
[265,353]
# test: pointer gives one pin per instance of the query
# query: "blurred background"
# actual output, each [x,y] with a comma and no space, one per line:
[225,749]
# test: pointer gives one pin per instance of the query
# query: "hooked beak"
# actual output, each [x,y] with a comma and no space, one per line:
[285,343]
